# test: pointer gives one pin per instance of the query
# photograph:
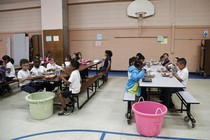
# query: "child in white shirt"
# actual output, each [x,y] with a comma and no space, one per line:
[173,66]
[24,76]
[10,71]
[74,86]
[52,65]
[182,75]
[40,70]
[37,68]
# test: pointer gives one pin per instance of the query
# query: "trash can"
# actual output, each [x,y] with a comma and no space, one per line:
[149,117]
[40,104]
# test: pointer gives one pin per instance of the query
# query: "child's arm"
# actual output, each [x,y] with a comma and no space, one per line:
[21,80]
[57,66]
[177,68]
[137,75]
[8,70]
[181,77]
[109,64]
[177,77]
[141,75]
[167,65]
[64,80]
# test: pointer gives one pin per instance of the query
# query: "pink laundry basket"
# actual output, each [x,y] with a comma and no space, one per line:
[149,117]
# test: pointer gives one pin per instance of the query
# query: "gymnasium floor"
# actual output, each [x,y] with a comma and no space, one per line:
[102,118]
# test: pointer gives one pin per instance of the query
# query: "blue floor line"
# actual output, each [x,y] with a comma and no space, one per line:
[98,131]
[103,136]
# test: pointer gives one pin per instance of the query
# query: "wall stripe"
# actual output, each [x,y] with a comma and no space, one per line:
[18,9]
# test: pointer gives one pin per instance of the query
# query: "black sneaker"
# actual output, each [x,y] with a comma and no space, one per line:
[3,93]
[73,100]
[171,105]
[162,98]
[105,79]
[10,90]
[63,112]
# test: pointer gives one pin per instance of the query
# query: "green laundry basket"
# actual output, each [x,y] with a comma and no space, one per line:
[40,104]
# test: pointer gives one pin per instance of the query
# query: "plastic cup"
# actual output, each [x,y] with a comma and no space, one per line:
[57,72]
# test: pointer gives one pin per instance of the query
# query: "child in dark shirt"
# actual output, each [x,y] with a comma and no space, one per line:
[2,78]
[166,60]
[107,63]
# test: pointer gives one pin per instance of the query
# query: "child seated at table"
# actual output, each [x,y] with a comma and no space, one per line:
[37,69]
[52,65]
[38,56]
[2,78]
[74,87]
[67,60]
[2,72]
[173,66]
[40,70]
[131,65]
[48,57]
[136,75]
[182,75]
[83,73]
[78,56]
[161,59]
[165,58]
[10,71]
[24,79]
[140,57]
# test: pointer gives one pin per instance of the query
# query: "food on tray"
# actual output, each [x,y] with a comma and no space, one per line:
[50,76]
[49,73]
[150,74]
[163,69]
[158,70]
[154,62]
[165,74]
[33,77]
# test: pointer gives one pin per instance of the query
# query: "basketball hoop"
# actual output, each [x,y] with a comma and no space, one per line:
[140,15]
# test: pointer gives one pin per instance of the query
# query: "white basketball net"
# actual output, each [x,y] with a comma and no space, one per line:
[140,16]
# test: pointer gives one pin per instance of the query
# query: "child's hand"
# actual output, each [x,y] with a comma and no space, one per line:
[59,76]
[174,73]
[50,70]
[32,74]
[65,84]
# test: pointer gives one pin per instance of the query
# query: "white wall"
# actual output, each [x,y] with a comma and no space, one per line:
[20,21]
[167,12]
[51,14]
